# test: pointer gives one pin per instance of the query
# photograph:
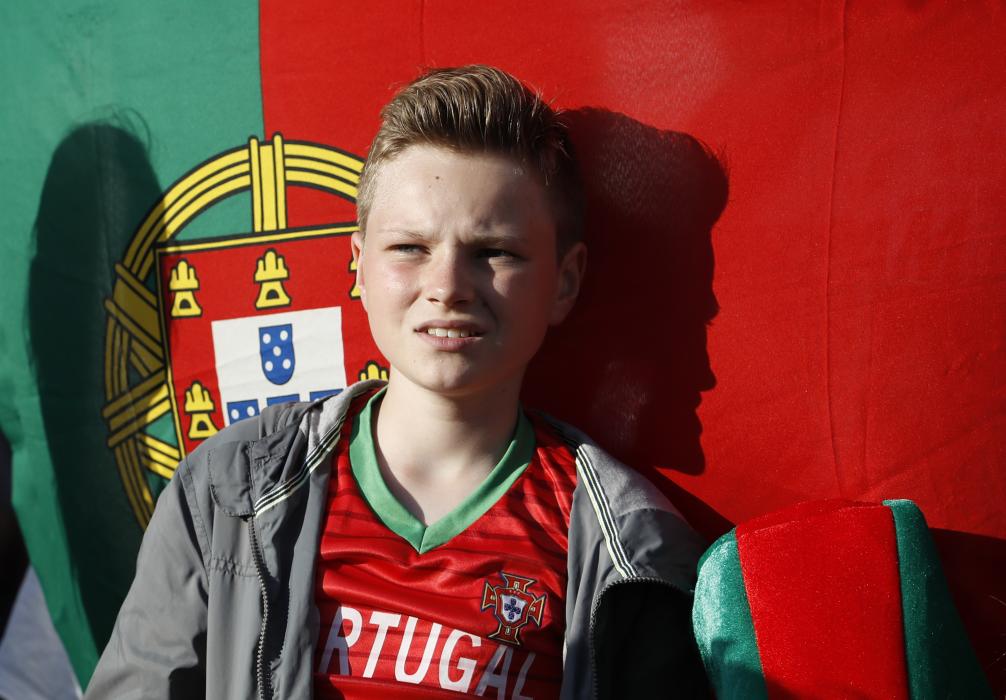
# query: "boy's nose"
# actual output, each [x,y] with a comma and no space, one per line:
[449,279]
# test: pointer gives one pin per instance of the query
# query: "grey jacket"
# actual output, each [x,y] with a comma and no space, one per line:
[222,605]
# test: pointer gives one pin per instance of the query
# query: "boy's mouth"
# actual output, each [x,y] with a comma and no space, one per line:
[448,332]
[450,329]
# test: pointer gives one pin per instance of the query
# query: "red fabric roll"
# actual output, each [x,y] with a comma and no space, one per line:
[824,590]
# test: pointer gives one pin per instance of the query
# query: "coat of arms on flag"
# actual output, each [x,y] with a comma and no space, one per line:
[208,329]
[249,322]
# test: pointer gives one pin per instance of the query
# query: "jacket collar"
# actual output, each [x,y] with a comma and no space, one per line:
[256,464]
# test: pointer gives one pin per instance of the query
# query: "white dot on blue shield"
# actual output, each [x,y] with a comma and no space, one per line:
[266,338]
[250,411]
[277,351]
[268,365]
[286,363]
[234,414]
[283,335]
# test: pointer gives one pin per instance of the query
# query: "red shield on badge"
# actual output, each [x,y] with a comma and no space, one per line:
[256,320]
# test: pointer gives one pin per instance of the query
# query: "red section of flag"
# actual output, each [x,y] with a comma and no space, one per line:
[825,596]
[326,71]
[858,263]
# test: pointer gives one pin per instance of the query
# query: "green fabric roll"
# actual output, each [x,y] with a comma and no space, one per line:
[941,662]
[724,631]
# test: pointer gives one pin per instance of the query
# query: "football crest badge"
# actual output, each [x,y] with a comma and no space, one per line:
[513,606]
[209,327]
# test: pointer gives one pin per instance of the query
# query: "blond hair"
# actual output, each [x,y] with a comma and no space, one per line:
[481,109]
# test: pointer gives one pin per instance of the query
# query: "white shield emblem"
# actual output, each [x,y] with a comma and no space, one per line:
[256,369]
[513,607]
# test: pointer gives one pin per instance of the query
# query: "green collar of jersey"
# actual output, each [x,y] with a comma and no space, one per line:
[363,459]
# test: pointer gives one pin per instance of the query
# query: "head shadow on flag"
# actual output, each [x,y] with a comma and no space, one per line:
[100,182]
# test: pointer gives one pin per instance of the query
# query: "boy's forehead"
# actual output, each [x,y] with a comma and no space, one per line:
[421,160]
[425,184]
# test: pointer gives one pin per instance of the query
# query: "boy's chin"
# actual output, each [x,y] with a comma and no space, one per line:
[463,385]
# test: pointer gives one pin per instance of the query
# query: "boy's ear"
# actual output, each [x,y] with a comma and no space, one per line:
[356,243]
[571,270]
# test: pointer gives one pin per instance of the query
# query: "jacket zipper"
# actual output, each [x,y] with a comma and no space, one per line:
[264,691]
[593,619]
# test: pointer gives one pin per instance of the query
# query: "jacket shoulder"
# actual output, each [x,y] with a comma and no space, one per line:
[243,463]
[623,487]
[218,469]
[623,512]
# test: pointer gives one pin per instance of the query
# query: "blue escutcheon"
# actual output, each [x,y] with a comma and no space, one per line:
[239,410]
[275,345]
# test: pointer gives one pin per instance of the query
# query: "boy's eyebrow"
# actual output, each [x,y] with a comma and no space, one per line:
[406,233]
[478,238]
[494,239]
[488,233]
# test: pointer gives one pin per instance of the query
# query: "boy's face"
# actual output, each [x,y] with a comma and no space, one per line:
[458,269]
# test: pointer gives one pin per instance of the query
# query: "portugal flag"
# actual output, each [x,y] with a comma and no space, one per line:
[159,281]
[178,187]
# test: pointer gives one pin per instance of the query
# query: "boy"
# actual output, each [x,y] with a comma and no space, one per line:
[426,538]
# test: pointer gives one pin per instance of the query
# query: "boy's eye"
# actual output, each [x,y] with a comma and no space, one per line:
[406,248]
[495,253]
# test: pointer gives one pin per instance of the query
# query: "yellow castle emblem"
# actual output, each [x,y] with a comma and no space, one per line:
[269,275]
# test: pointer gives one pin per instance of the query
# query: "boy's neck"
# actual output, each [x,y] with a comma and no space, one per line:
[435,450]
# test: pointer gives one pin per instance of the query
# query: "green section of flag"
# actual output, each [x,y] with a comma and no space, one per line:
[105,105]
[724,630]
[940,660]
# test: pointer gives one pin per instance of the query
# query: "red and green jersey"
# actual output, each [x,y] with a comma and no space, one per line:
[471,604]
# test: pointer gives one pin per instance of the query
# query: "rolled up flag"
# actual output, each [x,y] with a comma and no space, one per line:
[832,599]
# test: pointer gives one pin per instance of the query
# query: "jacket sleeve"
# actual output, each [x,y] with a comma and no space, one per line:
[158,644]
[650,645]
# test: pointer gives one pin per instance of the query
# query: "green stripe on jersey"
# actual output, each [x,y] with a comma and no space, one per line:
[397,518]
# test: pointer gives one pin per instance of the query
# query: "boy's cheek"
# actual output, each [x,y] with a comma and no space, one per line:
[394,291]
[388,279]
